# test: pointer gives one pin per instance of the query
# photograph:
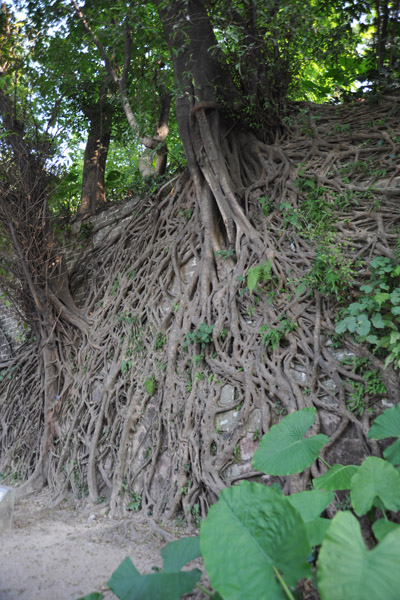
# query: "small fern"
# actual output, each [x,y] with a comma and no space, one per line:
[259,273]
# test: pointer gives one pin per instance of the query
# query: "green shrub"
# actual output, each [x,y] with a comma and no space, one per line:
[258,544]
[375,317]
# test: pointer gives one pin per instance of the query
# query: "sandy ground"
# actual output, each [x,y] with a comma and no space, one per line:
[67,552]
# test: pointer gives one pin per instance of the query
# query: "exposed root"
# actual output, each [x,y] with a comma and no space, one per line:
[138,405]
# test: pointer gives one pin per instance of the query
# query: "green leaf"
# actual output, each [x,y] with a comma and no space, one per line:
[387,424]
[150,386]
[382,527]
[309,505]
[253,276]
[395,296]
[347,570]
[345,325]
[381,297]
[316,530]
[179,553]
[372,339]
[128,584]
[392,453]
[249,531]
[375,481]
[363,324]
[337,478]
[284,449]
[377,321]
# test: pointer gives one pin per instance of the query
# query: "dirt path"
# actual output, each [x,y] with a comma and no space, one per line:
[67,552]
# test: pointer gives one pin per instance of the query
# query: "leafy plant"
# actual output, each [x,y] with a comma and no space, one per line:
[136,503]
[258,543]
[159,341]
[265,204]
[225,253]
[150,385]
[168,584]
[375,317]
[385,426]
[285,450]
[202,335]
[258,274]
[271,336]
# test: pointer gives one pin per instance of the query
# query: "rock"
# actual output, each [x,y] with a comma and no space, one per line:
[227,421]
[254,421]
[7,499]
[227,396]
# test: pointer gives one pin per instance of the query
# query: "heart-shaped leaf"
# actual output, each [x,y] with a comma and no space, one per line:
[248,533]
[310,505]
[284,450]
[128,584]
[392,453]
[346,569]
[179,553]
[337,478]
[388,425]
[375,482]
[382,527]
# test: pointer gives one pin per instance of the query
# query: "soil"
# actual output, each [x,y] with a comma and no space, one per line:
[66,552]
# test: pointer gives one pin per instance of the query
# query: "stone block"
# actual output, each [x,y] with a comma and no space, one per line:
[227,395]
[7,498]
[227,421]
[254,421]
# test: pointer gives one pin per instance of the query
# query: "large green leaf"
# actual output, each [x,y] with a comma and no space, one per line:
[128,584]
[347,570]
[392,453]
[337,478]
[375,482]
[310,505]
[251,530]
[382,527]
[388,425]
[284,449]
[179,553]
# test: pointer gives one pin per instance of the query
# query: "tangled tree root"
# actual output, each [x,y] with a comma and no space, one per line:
[172,321]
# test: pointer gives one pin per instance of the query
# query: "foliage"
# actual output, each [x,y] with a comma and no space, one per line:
[201,335]
[385,426]
[284,450]
[274,534]
[150,385]
[259,274]
[135,504]
[271,336]
[168,584]
[348,570]
[375,317]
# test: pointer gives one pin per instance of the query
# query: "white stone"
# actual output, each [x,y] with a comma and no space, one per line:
[227,396]
[7,499]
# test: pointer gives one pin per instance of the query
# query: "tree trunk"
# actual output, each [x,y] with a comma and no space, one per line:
[207,90]
[42,291]
[95,158]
